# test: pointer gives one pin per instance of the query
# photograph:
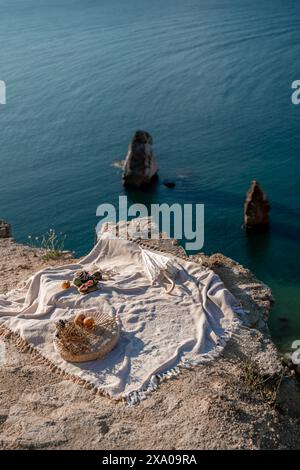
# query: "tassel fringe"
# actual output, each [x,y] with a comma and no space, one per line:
[25,347]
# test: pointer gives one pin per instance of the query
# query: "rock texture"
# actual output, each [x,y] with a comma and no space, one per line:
[140,165]
[18,262]
[213,406]
[5,229]
[256,208]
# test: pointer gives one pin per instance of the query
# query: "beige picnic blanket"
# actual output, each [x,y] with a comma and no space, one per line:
[161,332]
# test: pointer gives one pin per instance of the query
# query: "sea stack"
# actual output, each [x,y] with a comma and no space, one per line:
[140,166]
[256,208]
[5,229]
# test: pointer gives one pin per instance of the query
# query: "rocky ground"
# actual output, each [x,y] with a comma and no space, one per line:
[243,400]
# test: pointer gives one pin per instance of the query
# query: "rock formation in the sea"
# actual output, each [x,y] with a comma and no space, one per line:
[169,184]
[5,229]
[140,165]
[256,208]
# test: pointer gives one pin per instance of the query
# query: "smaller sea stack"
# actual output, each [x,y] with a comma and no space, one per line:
[256,208]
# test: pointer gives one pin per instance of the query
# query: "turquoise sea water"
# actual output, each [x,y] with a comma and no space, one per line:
[209,79]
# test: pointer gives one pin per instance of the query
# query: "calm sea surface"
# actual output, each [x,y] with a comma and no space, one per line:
[209,79]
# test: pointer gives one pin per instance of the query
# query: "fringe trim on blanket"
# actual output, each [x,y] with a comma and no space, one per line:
[149,247]
[24,347]
[135,397]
